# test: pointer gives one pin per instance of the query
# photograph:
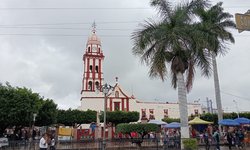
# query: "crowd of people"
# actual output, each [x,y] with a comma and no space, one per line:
[235,137]
[210,135]
[231,136]
[172,138]
[46,138]
[23,134]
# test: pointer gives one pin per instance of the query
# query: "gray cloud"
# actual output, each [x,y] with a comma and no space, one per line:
[53,66]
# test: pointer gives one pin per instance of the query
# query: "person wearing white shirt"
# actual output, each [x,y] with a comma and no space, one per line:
[43,145]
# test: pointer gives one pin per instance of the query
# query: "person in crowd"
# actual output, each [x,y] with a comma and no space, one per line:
[152,136]
[26,135]
[239,137]
[166,137]
[201,137]
[229,136]
[193,133]
[52,143]
[33,134]
[206,139]
[43,143]
[176,138]
[216,136]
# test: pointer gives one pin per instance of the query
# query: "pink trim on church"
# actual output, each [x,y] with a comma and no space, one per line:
[110,104]
[122,104]
[127,104]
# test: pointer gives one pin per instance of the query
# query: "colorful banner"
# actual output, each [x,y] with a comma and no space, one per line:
[85,134]
[65,131]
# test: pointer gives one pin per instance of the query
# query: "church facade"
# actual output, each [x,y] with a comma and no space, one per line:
[92,96]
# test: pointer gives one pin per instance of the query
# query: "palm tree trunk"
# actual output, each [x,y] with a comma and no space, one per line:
[217,88]
[182,97]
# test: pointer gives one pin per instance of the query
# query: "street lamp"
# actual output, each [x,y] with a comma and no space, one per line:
[236,104]
[34,117]
[106,88]
[34,120]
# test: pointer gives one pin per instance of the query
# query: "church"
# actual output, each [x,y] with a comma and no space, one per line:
[92,96]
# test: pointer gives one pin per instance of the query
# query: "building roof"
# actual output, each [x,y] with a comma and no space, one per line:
[117,87]
[197,120]
[93,38]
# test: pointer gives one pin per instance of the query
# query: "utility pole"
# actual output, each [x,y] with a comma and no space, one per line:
[208,105]
[217,89]
[211,106]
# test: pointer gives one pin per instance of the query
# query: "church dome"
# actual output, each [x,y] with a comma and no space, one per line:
[93,39]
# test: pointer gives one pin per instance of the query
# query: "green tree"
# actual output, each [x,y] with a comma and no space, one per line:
[141,129]
[169,120]
[232,115]
[245,114]
[214,117]
[116,117]
[213,25]
[173,40]
[210,117]
[17,106]
[72,117]
[47,113]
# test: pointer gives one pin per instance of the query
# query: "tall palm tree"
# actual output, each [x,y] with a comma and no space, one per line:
[214,23]
[172,42]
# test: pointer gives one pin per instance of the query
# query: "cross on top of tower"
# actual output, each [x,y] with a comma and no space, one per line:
[94,27]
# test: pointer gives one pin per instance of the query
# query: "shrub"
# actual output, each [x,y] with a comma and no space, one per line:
[190,144]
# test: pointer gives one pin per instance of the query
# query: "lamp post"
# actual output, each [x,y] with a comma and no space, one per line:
[34,117]
[236,104]
[34,120]
[105,89]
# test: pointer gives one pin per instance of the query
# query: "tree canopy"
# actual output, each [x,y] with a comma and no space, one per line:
[169,120]
[17,106]
[71,117]
[47,113]
[174,39]
[116,117]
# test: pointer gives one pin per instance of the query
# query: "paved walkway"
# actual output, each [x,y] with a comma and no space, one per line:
[221,148]
[131,148]
[97,146]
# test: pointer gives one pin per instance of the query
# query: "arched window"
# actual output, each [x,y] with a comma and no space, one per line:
[116,94]
[89,49]
[97,85]
[90,68]
[99,50]
[90,86]
[96,68]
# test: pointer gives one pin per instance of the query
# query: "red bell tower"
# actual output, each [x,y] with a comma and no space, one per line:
[93,60]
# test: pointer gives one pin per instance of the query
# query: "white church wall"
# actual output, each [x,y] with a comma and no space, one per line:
[92,104]
[158,109]
[93,94]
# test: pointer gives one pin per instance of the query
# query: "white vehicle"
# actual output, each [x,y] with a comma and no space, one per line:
[4,141]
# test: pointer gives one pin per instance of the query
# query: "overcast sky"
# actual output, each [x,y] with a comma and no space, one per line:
[42,43]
